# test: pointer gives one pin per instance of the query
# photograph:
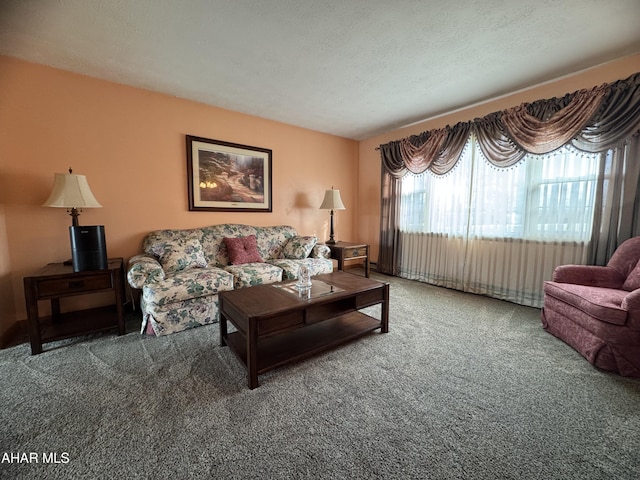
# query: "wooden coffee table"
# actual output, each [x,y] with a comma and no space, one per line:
[276,324]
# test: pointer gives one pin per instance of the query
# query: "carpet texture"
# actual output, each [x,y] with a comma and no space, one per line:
[462,387]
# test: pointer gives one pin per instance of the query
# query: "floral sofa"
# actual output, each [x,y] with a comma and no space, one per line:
[181,271]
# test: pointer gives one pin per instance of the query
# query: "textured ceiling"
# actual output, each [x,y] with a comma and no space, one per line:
[353,68]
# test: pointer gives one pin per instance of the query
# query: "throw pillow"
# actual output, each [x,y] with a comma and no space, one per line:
[299,247]
[633,279]
[181,254]
[242,250]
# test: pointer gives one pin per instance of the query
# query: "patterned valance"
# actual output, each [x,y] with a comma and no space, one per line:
[589,120]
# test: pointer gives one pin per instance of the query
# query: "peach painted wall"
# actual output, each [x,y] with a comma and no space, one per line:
[368,221]
[7,305]
[130,143]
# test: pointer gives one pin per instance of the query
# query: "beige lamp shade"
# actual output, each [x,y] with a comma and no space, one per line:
[71,191]
[332,200]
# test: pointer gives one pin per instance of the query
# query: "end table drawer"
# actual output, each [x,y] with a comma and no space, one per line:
[69,286]
[355,252]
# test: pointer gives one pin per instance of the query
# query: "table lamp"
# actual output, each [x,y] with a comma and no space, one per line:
[72,192]
[88,249]
[332,201]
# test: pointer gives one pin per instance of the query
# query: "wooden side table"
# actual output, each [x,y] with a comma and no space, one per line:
[346,251]
[57,280]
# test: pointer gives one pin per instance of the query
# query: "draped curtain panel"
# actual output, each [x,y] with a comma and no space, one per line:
[505,268]
[605,119]
[389,221]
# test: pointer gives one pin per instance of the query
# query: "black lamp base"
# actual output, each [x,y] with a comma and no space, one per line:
[331,240]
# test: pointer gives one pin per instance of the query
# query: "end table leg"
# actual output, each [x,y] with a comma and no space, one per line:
[33,317]
[34,337]
[118,282]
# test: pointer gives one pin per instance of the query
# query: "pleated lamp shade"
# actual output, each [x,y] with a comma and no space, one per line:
[71,191]
[332,200]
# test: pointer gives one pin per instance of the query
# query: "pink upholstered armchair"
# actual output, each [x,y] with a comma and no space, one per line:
[596,310]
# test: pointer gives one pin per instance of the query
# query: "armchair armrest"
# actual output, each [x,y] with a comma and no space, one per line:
[320,251]
[591,275]
[143,269]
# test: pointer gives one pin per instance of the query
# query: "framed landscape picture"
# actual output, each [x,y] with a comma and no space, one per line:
[226,177]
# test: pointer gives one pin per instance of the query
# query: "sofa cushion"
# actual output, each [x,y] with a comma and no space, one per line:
[180,253]
[603,304]
[290,267]
[186,285]
[299,247]
[271,240]
[251,274]
[633,279]
[242,250]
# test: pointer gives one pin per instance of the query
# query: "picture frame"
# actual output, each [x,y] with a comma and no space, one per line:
[227,177]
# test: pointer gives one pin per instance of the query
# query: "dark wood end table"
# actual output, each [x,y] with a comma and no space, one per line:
[57,280]
[347,251]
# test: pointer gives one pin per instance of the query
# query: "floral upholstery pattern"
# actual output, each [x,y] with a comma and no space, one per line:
[316,266]
[179,316]
[185,294]
[180,253]
[188,284]
[299,247]
[144,269]
[251,274]
[321,251]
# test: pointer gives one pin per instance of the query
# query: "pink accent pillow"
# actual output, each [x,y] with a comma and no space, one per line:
[242,250]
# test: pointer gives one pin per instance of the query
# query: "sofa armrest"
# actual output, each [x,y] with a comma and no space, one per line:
[590,275]
[320,251]
[143,269]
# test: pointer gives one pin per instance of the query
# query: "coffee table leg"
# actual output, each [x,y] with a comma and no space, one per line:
[252,354]
[223,329]
[385,311]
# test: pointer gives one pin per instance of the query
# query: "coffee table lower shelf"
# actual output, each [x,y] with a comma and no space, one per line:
[300,343]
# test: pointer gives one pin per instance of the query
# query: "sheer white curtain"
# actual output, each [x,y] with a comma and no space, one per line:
[499,232]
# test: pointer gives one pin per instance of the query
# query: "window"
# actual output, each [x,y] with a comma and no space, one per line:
[550,197]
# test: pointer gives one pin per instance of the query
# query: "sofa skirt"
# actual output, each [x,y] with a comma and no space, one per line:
[614,348]
[179,316]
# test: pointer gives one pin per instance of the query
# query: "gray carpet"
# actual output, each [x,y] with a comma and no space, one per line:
[462,387]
